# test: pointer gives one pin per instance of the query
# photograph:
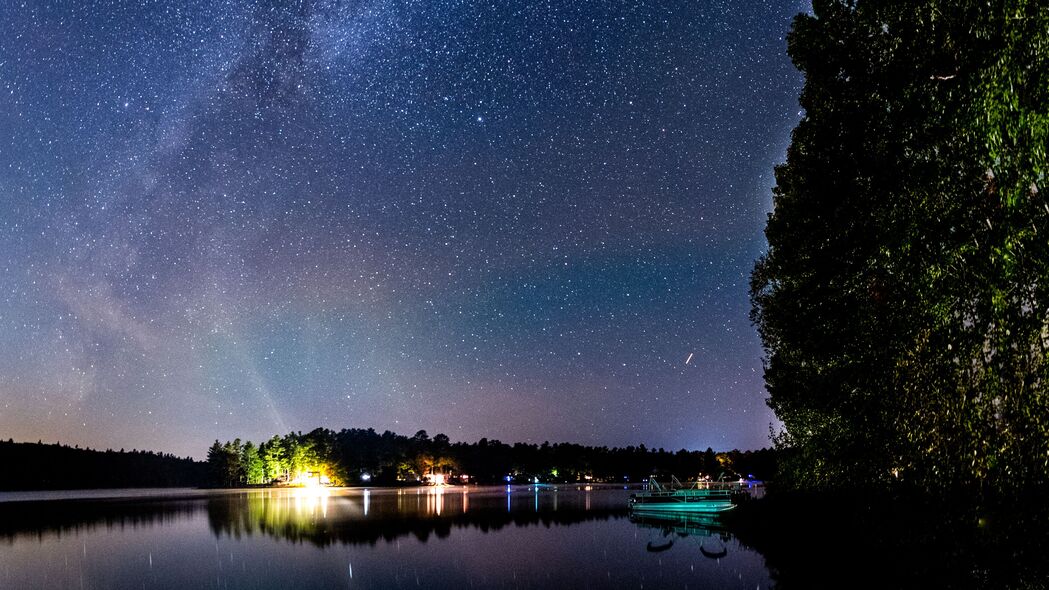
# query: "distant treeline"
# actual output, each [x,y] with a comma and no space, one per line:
[354,456]
[38,466]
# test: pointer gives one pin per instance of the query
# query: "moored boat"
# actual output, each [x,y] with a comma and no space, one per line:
[700,497]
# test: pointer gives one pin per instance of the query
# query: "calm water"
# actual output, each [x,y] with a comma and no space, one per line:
[351,538]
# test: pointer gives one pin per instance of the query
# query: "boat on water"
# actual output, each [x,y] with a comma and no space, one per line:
[699,497]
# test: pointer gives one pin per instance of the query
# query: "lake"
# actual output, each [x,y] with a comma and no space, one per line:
[448,537]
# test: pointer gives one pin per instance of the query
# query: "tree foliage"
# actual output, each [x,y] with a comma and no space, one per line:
[277,459]
[34,466]
[355,455]
[904,298]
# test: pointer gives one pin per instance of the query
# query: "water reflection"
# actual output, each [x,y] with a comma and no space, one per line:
[39,519]
[698,528]
[323,517]
[453,537]
[524,537]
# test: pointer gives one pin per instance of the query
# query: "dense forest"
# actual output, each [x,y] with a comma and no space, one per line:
[39,466]
[358,456]
[904,298]
[355,456]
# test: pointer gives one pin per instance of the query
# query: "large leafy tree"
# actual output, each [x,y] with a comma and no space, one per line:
[274,459]
[254,470]
[904,298]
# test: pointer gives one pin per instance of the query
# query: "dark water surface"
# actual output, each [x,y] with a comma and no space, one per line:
[524,537]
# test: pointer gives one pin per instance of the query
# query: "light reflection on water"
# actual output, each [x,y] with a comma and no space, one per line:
[454,537]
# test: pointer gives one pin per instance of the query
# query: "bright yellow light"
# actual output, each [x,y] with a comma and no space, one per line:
[310,492]
[310,479]
[438,499]
[308,499]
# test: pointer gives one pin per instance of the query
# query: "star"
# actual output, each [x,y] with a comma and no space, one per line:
[487,225]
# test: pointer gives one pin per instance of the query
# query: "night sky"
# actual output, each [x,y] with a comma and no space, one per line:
[506,219]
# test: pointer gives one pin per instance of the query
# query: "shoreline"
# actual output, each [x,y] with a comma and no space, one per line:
[180,493]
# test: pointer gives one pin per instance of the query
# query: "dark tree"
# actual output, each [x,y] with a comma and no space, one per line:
[52,466]
[904,298]
[356,456]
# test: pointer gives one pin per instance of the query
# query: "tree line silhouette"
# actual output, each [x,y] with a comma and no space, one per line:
[363,456]
[355,456]
[38,466]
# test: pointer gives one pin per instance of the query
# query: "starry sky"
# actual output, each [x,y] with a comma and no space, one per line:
[503,219]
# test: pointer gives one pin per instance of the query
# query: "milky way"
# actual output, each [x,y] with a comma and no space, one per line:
[506,219]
